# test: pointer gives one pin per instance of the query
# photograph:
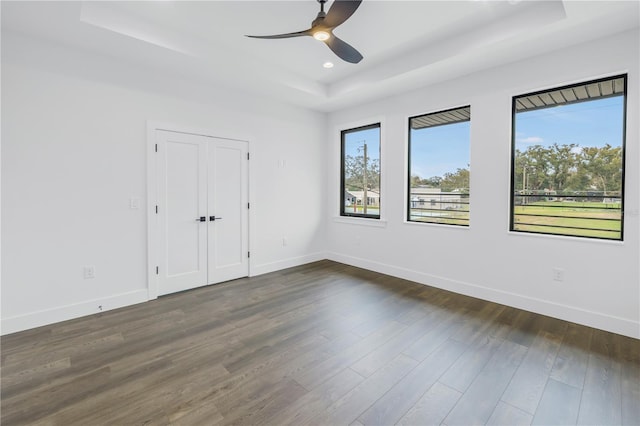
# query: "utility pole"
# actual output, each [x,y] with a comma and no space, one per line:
[364,181]
[524,184]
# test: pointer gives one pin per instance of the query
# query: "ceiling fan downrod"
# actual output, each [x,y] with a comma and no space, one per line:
[321,14]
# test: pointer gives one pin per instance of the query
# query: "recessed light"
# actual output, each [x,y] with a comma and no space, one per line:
[328,64]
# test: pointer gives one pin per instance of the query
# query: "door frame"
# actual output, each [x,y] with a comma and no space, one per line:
[153,231]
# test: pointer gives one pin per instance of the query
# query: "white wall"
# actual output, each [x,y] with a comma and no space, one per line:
[74,152]
[74,138]
[601,286]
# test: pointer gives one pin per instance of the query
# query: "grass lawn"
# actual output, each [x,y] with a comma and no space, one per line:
[589,219]
[360,210]
[447,217]
[596,219]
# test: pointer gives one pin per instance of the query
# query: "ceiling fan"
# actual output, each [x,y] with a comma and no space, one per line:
[322,29]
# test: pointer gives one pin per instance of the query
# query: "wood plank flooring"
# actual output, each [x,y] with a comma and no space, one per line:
[320,344]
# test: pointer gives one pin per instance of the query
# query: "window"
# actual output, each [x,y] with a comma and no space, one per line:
[360,172]
[439,167]
[567,170]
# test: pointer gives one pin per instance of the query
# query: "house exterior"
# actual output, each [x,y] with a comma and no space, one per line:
[431,200]
[356,197]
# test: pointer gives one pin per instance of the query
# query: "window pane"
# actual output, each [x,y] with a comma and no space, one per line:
[567,170]
[439,167]
[361,172]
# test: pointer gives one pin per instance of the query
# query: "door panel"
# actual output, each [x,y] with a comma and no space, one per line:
[201,176]
[182,200]
[228,198]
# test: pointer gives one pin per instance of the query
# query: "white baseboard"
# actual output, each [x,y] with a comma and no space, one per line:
[598,320]
[265,268]
[574,314]
[63,313]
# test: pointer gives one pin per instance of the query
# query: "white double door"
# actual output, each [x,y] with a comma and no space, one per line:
[202,210]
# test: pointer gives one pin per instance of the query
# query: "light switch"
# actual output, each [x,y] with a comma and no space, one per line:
[134,203]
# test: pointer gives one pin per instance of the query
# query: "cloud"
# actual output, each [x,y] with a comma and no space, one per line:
[531,140]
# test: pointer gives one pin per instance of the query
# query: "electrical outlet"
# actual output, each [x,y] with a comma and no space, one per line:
[89,272]
[558,274]
[284,241]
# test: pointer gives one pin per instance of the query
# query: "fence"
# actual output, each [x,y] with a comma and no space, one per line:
[585,214]
[450,208]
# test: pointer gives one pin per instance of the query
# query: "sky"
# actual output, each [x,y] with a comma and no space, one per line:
[355,141]
[438,150]
[593,123]
[441,149]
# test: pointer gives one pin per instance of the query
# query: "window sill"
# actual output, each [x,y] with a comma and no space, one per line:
[376,223]
[440,225]
[573,238]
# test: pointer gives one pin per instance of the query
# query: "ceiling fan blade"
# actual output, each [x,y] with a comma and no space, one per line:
[340,11]
[343,49]
[288,35]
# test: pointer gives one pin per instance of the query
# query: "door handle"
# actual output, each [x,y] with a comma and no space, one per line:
[213,218]
[202,219]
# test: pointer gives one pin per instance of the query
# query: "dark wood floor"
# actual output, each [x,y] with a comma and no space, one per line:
[325,344]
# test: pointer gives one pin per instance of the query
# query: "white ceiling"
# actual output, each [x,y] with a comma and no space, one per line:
[405,44]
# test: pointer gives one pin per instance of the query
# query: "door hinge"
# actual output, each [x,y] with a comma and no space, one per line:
[157,270]
[247,155]
[156,209]
[248,254]
[156,147]
[248,205]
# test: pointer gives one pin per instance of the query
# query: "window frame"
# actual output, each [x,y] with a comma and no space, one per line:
[343,132]
[623,144]
[408,169]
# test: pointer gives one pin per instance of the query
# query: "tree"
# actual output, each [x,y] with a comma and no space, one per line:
[523,164]
[433,181]
[568,167]
[603,166]
[456,180]
[450,181]
[578,181]
[538,172]
[354,173]
[563,162]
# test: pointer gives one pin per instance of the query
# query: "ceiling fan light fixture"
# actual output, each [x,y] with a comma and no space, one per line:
[321,35]
[322,29]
